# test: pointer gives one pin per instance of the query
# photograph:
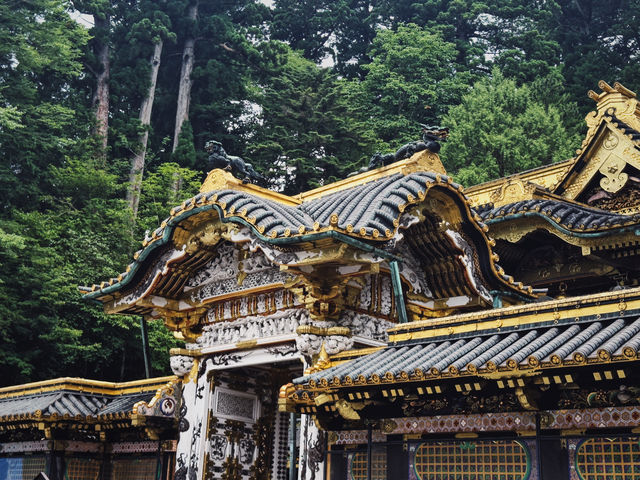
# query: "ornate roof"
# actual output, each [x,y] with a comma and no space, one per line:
[486,352]
[79,399]
[572,216]
[364,210]
[575,341]
[370,211]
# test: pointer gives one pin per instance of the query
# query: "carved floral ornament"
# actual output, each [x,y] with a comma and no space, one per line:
[512,191]
[208,235]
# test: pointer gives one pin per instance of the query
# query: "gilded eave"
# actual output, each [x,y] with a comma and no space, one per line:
[545,177]
[82,404]
[582,339]
[84,385]
[359,214]
[617,302]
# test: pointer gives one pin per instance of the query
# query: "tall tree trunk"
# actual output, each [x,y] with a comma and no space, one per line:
[137,162]
[101,95]
[184,92]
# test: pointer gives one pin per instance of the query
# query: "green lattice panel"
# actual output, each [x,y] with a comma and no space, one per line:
[134,469]
[82,469]
[378,466]
[497,460]
[608,459]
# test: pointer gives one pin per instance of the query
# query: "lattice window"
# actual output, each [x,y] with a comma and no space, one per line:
[608,459]
[499,460]
[82,469]
[21,468]
[134,469]
[378,465]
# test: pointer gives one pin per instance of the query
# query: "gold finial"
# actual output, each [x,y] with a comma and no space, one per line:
[605,86]
[624,90]
[322,362]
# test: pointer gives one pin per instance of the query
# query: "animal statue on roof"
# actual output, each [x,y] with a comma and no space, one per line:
[431,138]
[240,169]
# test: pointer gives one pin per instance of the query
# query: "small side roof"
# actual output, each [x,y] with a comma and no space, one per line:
[80,399]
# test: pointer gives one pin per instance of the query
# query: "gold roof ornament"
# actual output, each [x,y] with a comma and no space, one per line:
[612,142]
[322,362]
[618,97]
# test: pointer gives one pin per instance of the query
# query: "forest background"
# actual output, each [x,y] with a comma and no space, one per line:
[105,106]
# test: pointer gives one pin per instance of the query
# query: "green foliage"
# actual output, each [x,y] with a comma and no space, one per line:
[338,29]
[10,118]
[185,154]
[81,235]
[411,79]
[500,129]
[458,22]
[163,189]
[39,53]
[308,135]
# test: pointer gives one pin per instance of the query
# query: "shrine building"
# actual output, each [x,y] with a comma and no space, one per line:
[76,429]
[395,325]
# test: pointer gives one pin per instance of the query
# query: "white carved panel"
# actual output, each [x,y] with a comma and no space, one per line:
[235,405]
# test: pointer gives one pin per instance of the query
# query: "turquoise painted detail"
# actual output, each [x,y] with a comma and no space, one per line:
[562,229]
[401,308]
[169,228]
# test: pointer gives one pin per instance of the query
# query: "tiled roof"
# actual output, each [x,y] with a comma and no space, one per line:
[52,403]
[564,214]
[76,397]
[369,207]
[538,346]
[374,206]
[368,212]
[71,404]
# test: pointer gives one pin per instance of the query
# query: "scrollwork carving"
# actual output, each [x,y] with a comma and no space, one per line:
[614,178]
[181,365]
[252,327]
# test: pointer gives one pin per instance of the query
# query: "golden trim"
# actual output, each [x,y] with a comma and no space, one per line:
[418,160]
[86,386]
[522,314]
[313,388]
[196,352]
[546,176]
[466,435]
[349,354]
[323,331]
[246,344]
[221,180]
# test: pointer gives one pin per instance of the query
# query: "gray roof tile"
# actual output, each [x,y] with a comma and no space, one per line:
[545,346]
[566,214]
[70,403]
